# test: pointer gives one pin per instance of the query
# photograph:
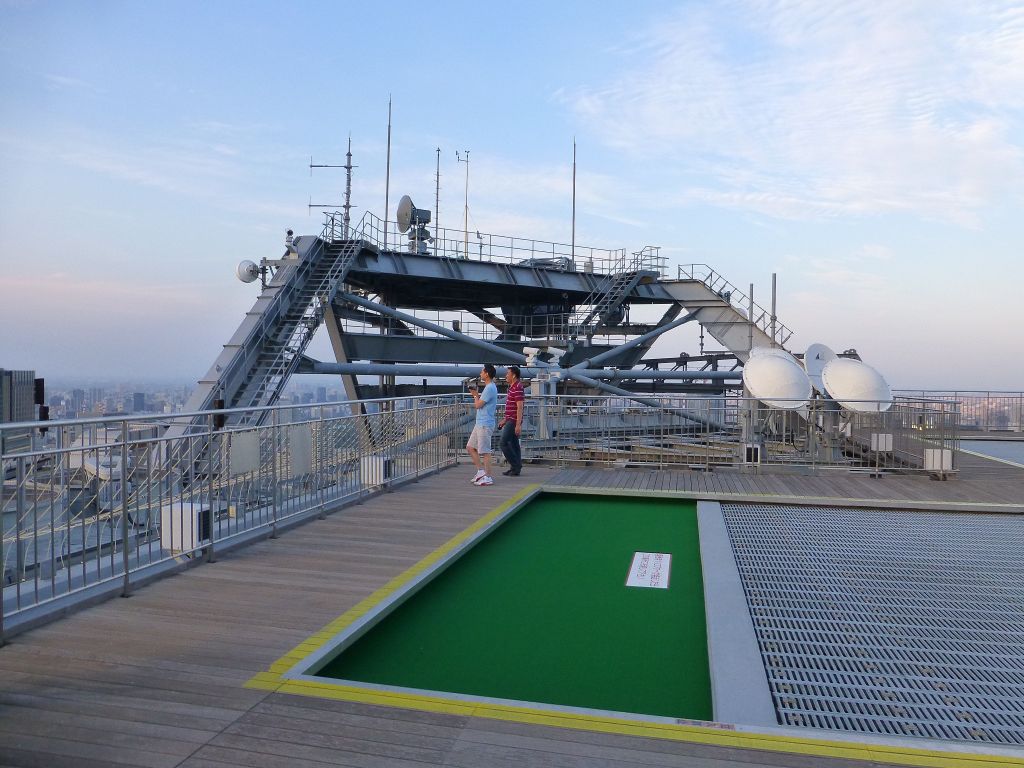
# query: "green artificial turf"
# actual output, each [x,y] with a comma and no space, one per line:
[538,611]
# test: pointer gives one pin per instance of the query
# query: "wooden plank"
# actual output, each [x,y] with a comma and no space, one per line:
[157,679]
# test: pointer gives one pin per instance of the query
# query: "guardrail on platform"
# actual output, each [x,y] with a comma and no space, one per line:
[983,412]
[93,506]
[99,504]
[701,431]
[480,246]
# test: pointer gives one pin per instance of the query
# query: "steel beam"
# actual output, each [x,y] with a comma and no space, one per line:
[464,371]
[613,353]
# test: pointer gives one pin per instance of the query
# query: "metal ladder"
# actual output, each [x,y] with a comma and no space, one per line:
[616,286]
[285,342]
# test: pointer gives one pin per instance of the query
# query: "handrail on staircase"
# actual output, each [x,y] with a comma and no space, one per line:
[739,300]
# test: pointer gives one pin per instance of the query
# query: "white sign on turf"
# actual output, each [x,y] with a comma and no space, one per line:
[649,569]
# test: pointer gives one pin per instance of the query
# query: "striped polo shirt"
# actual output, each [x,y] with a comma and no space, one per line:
[515,395]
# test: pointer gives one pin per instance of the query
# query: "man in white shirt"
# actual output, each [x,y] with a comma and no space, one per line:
[479,444]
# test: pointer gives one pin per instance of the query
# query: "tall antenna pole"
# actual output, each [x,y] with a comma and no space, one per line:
[465,216]
[387,179]
[437,201]
[348,187]
[346,218]
[573,254]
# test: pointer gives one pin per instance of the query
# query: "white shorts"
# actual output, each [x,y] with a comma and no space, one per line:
[480,438]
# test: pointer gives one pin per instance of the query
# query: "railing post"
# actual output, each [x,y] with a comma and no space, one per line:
[319,464]
[416,433]
[212,449]
[126,586]
[273,474]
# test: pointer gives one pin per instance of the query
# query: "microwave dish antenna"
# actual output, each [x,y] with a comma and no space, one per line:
[856,386]
[409,215]
[816,358]
[413,220]
[247,271]
[777,381]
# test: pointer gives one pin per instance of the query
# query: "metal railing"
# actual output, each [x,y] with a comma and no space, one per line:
[102,503]
[95,505]
[740,301]
[702,432]
[1000,414]
[453,244]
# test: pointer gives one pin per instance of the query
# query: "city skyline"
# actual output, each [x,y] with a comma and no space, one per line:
[871,156]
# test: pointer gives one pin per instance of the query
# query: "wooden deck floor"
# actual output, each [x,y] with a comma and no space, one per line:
[157,679]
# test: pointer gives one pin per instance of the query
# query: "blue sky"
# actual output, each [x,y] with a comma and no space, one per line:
[871,154]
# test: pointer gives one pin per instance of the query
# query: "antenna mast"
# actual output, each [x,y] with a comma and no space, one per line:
[387,179]
[465,216]
[437,201]
[347,206]
[573,254]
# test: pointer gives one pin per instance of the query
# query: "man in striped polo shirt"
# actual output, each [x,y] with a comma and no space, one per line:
[512,423]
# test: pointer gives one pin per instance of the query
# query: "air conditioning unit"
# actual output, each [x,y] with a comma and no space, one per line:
[938,459]
[375,470]
[184,527]
[881,442]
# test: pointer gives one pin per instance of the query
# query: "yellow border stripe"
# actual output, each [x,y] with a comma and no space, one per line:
[273,681]
[317,640]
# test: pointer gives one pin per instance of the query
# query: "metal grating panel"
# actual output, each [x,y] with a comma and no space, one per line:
[887,621]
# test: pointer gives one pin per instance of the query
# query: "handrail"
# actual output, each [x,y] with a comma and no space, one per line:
[739,300]
[450,244]
[106,502]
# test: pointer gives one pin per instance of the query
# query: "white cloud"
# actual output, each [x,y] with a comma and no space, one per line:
[802,109]
[62,82]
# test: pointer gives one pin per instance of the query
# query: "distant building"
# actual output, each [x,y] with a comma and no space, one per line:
[17,403]
[138,402]
[17,395]
[77,403]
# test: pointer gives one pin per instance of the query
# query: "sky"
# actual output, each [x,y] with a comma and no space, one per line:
[870,154]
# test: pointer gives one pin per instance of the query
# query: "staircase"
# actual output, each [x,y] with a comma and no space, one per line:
[613,290]
[264,351]
[286,339]
[723,311]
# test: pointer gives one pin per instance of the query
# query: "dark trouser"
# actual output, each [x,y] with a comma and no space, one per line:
[510,446]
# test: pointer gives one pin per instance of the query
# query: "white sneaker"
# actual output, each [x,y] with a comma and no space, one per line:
[485,480]
[479,474]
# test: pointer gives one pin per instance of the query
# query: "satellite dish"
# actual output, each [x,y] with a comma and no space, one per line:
[409,214]
[777,381]
[816,358]
[404,218]
[856,386]
[247,271]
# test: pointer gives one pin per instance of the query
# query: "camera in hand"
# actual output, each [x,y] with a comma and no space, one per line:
[473,382]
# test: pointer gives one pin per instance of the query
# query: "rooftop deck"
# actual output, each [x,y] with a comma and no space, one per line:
[159,679]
